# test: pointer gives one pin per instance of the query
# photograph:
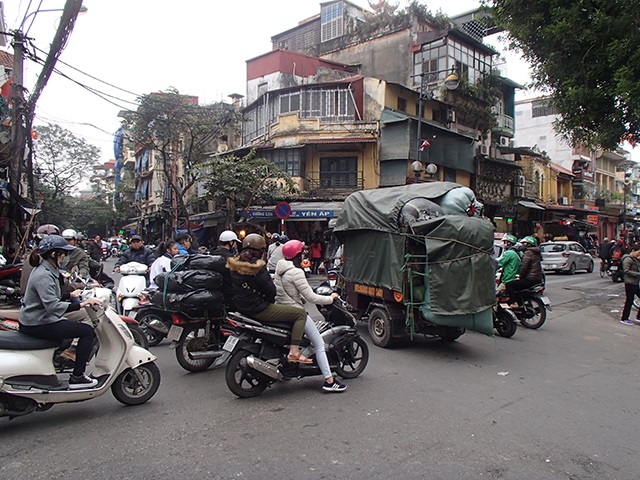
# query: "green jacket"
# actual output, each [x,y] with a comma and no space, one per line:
[510,263]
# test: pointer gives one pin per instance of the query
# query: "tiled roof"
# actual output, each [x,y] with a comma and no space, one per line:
[6,59]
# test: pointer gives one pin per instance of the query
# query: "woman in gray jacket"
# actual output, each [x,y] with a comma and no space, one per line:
[293,289]
[44,306]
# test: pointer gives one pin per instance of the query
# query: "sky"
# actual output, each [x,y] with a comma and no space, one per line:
[200,47]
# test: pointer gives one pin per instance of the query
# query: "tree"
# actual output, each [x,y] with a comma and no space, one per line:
[585,55]
[242,182]
[183,133]
[62,160]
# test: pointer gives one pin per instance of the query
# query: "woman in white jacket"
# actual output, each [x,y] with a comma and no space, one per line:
[293,289]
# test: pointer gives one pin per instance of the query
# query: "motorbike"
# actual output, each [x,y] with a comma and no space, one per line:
[10,284]
[155,321]
[114,252]
[259,351]
[131,286]
[198,340]
[531,307]
[617,274]
[504,320]
[30,381]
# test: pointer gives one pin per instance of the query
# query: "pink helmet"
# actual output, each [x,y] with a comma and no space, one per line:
[292,248]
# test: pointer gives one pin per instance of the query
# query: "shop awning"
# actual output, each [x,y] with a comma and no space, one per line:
[528,204]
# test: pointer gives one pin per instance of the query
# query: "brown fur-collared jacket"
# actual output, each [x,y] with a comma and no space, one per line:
[253,289]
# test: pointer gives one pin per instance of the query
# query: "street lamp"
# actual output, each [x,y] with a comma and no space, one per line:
[82,10]
[451,82]
[418,168]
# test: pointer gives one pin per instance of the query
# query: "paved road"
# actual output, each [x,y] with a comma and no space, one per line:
[560,402]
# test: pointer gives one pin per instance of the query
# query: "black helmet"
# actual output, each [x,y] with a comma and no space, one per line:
[53,242]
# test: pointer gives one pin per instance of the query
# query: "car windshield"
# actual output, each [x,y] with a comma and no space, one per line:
[552,247]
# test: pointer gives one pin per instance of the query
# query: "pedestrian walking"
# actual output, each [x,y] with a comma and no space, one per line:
[631,274]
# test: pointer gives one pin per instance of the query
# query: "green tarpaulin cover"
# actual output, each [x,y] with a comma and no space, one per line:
[445,263]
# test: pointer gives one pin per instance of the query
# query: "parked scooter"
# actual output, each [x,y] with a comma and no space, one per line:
[29,381]
[131,287]
[259,351]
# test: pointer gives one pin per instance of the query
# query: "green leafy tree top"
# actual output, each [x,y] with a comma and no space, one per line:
[585,55]
[62,160]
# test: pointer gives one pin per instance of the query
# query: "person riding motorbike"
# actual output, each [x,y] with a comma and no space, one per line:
[184,243]
[276,254]
[255,293]
[166,251]
[44,307]
[76,257]
[604,252]
[293,289]
[530,269]
[137,252]
[509,261]
[227,247]
[95,248]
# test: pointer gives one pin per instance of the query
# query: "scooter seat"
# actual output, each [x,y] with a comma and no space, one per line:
[244,318]
[20,341]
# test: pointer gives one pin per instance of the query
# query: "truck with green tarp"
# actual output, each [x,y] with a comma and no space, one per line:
[416,261]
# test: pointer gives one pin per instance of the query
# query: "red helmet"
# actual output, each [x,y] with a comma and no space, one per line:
[292,248]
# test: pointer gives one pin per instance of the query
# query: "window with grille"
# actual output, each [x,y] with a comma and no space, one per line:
[339,172]
[542,108]
[331,21]
[287,160]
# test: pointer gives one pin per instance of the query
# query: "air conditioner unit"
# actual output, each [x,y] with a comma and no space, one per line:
[451,116]
[484,150]
[564,201]
[505,141]
[519,181]
[518,192]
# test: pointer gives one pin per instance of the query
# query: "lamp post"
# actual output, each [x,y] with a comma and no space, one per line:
[451,82]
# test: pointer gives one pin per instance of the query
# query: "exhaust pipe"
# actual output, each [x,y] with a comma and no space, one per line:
[206,354]
[264,367]
[158,326]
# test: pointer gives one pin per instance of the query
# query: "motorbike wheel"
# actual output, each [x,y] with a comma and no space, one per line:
[191,342]
[380,328]
[504,321]
[534,313]
[153,336]
[138,335]
[353,358]
[241,379]
[130,390]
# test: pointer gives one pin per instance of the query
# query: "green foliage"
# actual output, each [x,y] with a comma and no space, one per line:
[245,181]
[62,160]
[473,101]
[585,55]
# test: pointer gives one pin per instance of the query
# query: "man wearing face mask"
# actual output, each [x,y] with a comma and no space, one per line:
[227,247]
[45,307]
[76,257]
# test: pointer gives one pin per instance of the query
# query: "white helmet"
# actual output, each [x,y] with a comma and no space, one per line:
[69,234]
[228,236]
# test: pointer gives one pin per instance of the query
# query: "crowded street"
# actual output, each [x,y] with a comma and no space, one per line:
[557,402]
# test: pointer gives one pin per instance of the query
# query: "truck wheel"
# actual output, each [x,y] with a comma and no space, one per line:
[380,328]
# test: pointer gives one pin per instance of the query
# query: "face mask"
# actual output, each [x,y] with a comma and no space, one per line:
[234,250]
[64,262]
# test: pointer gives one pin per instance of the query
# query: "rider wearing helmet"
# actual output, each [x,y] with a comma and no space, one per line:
[254,293]
[41,232]
[77,258]
[293,289]
[44,307]
[227,247]
[509,261]
[48,229]
[531,268]
[274,255]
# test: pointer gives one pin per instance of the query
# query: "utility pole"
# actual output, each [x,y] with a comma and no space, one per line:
[17,137]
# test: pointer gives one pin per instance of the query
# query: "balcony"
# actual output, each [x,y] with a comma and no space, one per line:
[505,126]
[333,184]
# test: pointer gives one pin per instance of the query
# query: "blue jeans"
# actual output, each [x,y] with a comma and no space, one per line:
[319,347]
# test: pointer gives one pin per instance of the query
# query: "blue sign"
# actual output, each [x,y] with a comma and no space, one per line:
[297,214]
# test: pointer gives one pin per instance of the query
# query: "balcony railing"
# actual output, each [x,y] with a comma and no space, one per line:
[504,124]
[333,183]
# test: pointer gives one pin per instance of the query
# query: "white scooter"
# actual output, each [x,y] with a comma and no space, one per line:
[29,381]
[131,286]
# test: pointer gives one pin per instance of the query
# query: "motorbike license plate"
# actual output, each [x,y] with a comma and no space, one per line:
[230,344]
[545,300]
[613,268]
[175,332]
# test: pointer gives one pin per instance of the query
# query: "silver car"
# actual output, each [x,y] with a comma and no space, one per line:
[565,256]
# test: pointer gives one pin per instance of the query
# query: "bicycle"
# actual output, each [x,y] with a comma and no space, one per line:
[604,268]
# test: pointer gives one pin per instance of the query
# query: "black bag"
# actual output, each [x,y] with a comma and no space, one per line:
[196,300]
[216,263]
[183,281]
